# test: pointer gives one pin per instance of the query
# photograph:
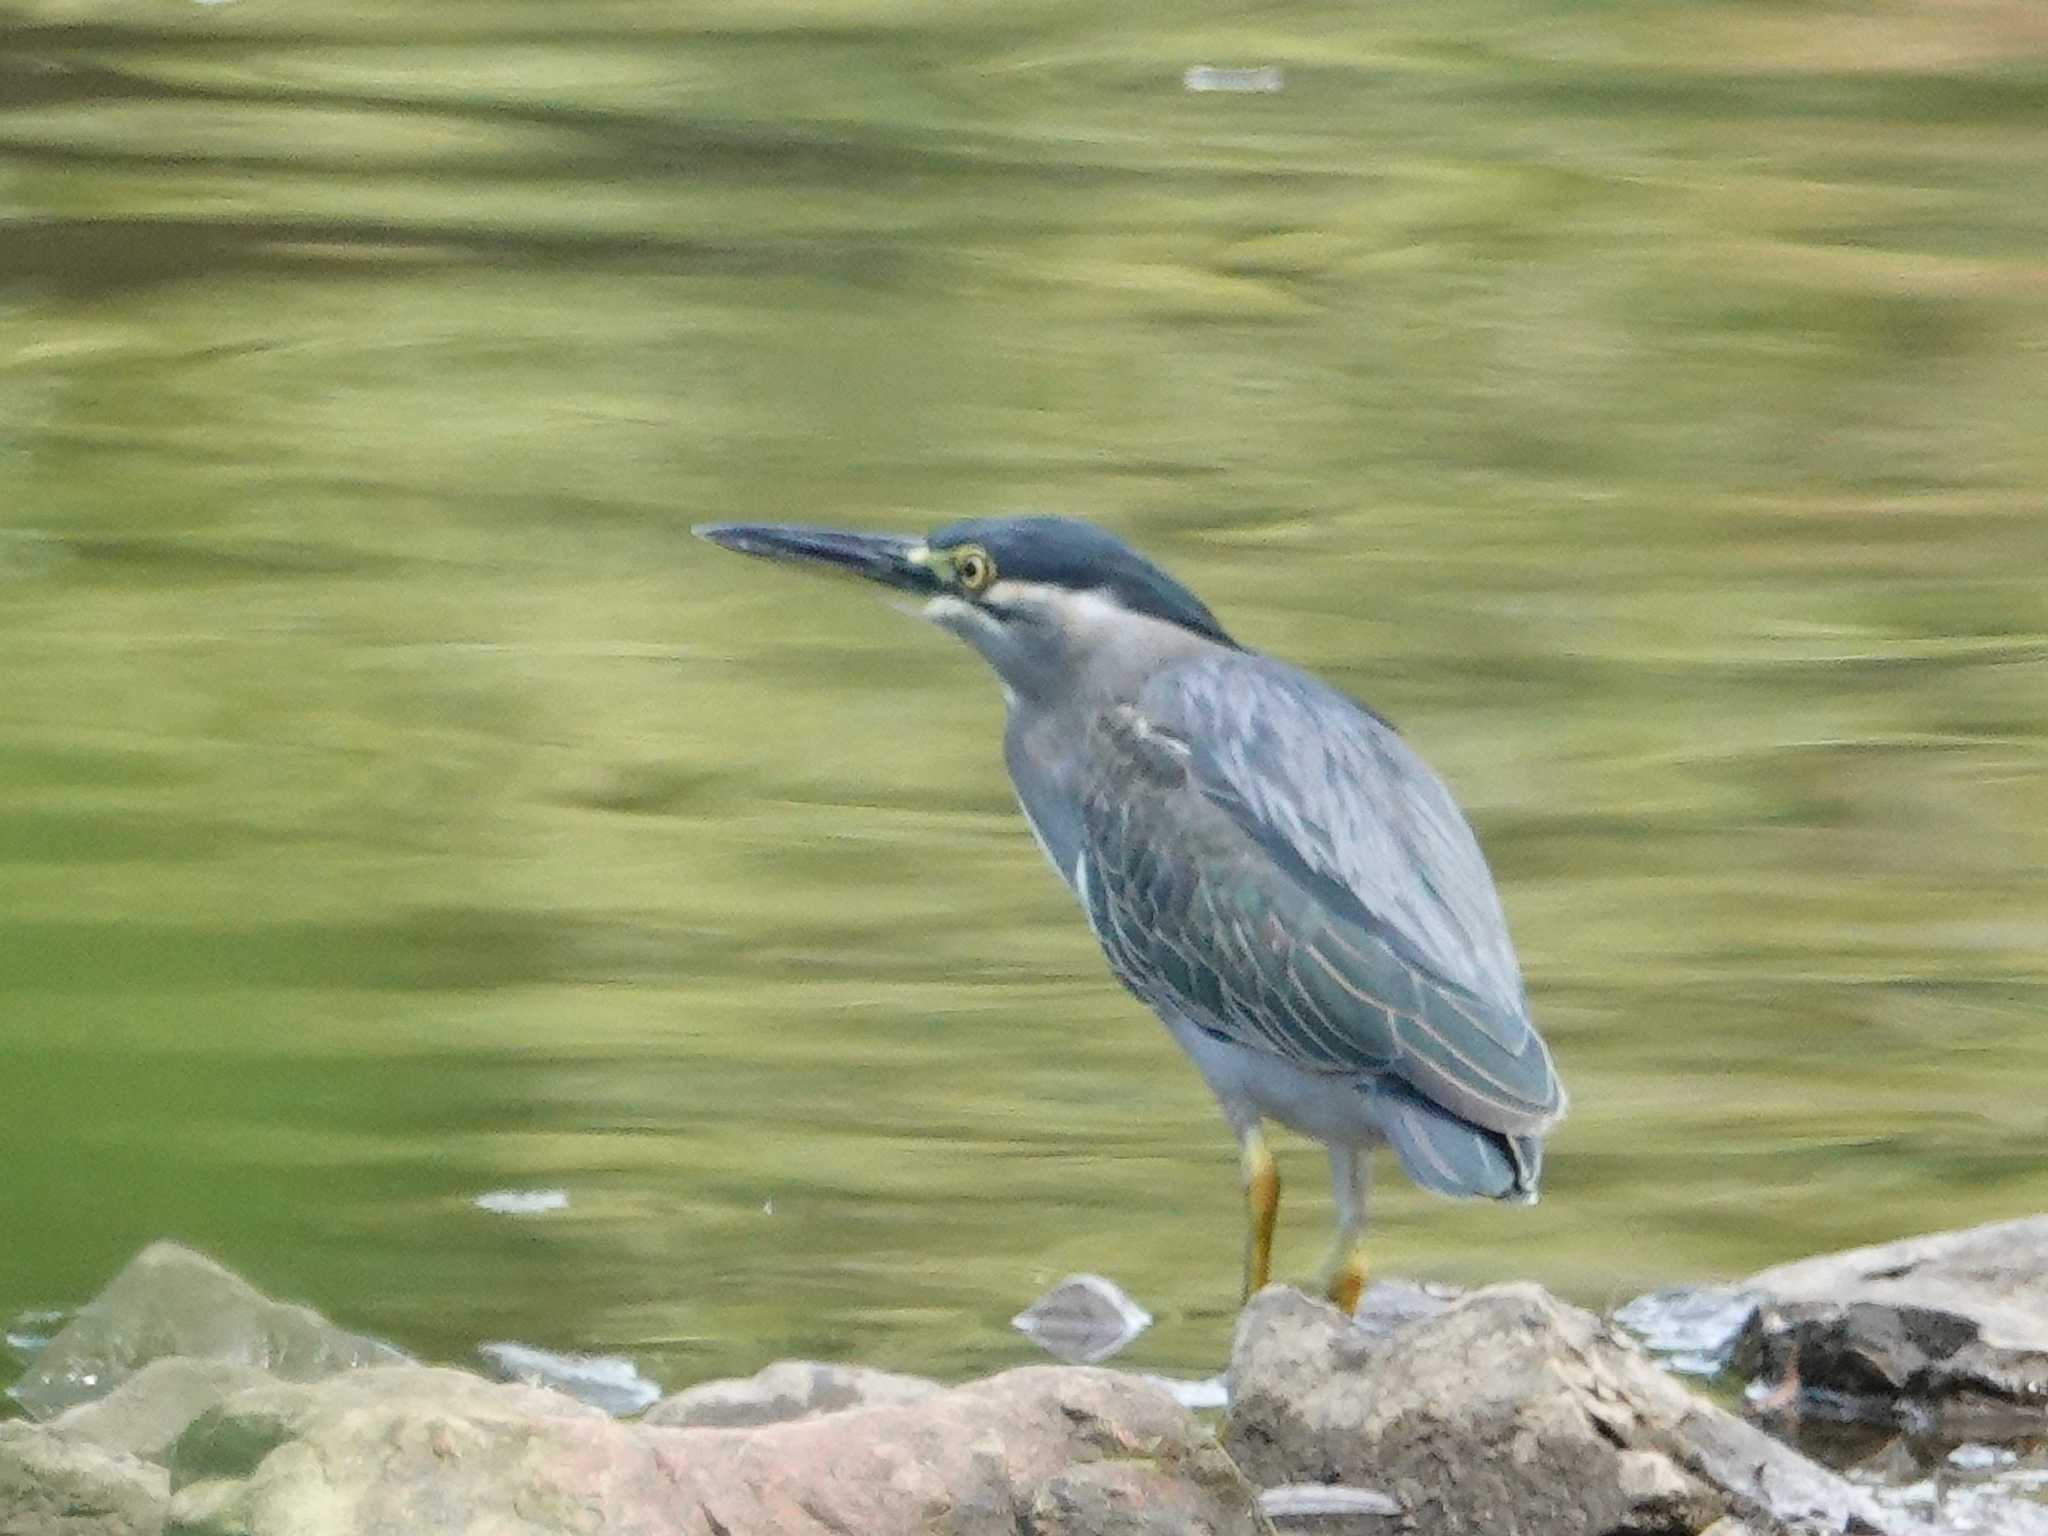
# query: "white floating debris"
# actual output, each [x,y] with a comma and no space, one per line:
[1213,1392]
[1691,1330]
[1213,77]
[1973,1457]
[1083,1319]
[2001,1503]
[1306,1501]
[522,1202]
[603,1381]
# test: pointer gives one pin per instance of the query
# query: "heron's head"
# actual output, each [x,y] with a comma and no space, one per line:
[1037,596]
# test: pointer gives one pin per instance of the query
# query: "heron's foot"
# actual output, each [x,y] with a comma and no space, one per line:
[1344,1281]
[1261,1207]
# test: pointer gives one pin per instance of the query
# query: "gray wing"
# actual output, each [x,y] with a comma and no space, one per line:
[1273,861]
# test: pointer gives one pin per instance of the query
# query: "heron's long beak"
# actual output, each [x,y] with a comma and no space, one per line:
[888,558]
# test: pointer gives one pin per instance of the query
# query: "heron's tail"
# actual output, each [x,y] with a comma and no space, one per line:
[1450,1156]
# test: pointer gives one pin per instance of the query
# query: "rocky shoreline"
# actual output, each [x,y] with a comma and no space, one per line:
[182,1402]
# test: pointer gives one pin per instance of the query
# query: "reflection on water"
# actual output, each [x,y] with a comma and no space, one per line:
[1965,1489]
[398,806]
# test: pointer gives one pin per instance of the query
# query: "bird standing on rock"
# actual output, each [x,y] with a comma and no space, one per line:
[1266,864]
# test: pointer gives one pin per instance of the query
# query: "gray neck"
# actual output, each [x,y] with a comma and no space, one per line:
[1056,650]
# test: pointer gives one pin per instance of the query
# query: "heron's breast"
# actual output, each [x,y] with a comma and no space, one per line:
[1323,1107]
[1045,770]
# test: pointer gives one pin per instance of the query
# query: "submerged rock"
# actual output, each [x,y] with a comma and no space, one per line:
[1511,1411]
[53,1485]
[603,1381]
[169,1300]
[29,1334]
[145,1414]
[1083,1319]
[1044,1451]
[788,1389]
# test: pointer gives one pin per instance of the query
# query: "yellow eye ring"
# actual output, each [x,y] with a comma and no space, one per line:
[974,569]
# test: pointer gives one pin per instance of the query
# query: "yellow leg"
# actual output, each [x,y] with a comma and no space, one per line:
[1347,1278]
[1344,1280]
[1262,1207]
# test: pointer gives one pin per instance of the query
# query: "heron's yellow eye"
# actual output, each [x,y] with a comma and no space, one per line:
[974,568]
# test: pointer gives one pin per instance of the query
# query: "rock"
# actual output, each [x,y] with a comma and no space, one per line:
[603,1381]
[235,1438]
[1391,1305]
[52,1485]
[169,1300]
[1511,1410]
[1947,1332]
[1044,1451]
[788,1389]
[1921,1368]
[1083,1319]
[1996,1276]
[147,1412]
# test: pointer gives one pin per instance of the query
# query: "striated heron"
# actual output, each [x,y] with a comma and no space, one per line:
[1266,864]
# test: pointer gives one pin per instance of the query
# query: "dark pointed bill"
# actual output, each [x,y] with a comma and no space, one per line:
[888,558]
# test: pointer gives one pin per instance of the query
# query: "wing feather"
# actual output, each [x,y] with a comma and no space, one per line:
[1272,860]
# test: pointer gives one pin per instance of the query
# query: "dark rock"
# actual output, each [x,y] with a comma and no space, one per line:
[52,1485]
[172,1301]
[1866,1349]
[788,1389]
[1946,1333]
[1047,1451]
[1925,1370]
[1511,1410]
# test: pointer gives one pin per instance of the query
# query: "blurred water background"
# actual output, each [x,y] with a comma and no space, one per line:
[1642,404]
